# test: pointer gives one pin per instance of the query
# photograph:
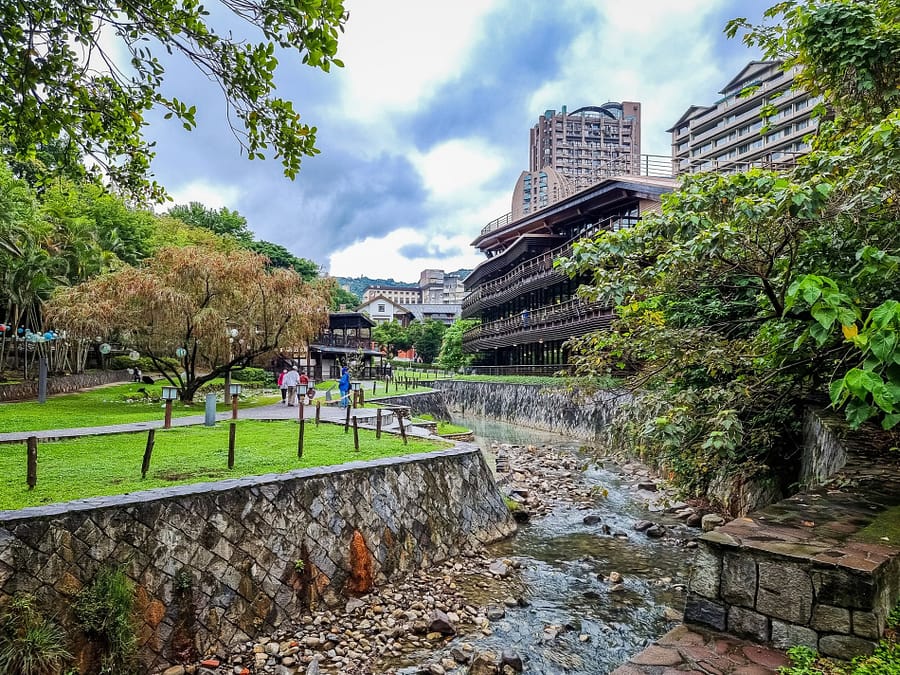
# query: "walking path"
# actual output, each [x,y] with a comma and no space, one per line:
[277,411]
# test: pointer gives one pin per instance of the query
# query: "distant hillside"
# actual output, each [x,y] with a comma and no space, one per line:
[357,285]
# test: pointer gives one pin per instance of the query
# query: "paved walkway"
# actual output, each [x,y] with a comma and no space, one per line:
[276,411]
[688,650]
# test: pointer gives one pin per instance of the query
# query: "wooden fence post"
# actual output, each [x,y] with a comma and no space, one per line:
[232,431]
[402,428]
[347,420]
[300,439]
[151,441]
[378,424]
[32,444]
[355,435]
[318,411]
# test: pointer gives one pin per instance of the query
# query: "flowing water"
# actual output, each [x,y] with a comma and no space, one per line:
[573,623]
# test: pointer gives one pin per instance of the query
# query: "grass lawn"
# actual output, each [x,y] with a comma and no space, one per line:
[115,404]
[109,465]
[443,428]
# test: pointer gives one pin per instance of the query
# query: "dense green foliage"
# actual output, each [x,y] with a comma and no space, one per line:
[753,291]
[427,337]
[30,644]
[61,77]
[392,337]
[451,355]
[104,610]
[231,224]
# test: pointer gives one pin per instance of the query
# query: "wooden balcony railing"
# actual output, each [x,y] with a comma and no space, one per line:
[337,340]
[551,322]
[536,272]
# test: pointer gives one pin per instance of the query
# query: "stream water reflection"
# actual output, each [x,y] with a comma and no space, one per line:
[573,623]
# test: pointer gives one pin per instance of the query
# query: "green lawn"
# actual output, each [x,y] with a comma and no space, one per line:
[108,465]
[115,404]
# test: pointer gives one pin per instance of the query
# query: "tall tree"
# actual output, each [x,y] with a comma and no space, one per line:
[754,291]
[452,355]
[392,337]
[426,336]
[223,222]
[60,79]
[217,310]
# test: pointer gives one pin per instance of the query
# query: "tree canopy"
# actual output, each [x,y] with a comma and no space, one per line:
[754,291]
[62,81]
[211,310]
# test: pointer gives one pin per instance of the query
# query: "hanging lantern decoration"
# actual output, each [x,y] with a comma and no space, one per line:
[105,349]
[181,352]
[48,335]
[133,355]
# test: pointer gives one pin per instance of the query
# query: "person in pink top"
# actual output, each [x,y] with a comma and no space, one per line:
[282,386]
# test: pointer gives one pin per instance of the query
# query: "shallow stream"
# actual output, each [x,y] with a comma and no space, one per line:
[573,623]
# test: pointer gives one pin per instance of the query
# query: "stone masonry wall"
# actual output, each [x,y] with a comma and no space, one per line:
[426,402]
[552,409]
[786,601]
[215,563]
[64,384]
[823,451]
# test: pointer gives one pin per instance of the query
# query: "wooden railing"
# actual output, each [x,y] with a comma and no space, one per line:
[551,322]
[540,269]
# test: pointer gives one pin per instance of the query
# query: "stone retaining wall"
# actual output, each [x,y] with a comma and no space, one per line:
[823,451]
[559,410]
[62,384]
[427,402]
[784,601]
[216,563]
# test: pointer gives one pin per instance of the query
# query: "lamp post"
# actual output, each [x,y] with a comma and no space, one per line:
[234,390]
[356,386]
[169,394]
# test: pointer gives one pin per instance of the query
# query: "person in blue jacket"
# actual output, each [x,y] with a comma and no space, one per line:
[344,387]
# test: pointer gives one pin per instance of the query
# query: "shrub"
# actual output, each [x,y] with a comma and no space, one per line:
[29,643]
[104,611]
[258,376]
[144,363]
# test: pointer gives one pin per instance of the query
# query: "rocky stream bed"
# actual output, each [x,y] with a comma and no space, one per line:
[595,573]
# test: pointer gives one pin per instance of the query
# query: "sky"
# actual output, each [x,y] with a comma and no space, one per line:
[424,132]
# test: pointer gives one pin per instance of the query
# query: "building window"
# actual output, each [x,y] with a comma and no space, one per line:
[381,307]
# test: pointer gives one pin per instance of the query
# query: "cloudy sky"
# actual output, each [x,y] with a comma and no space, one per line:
[425,130]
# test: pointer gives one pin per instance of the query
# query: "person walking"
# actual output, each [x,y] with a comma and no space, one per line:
[282,386]
[344,386]
[304,380]
[291,379]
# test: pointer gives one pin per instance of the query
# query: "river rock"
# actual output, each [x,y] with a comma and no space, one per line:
[484,663]
[511,660]
[711,521]
[439,622]
[649,486]
[615,578]
[499,568]
[655,532]
[591,519]
[642,525]
[313,668]
[495,612]
[694,520]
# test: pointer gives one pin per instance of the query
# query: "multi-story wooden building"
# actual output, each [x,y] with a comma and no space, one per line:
[528,309]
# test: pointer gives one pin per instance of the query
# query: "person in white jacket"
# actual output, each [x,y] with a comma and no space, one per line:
[291,379]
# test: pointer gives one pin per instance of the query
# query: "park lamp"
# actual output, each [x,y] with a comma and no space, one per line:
[234,390]
[169,394]
[302,389]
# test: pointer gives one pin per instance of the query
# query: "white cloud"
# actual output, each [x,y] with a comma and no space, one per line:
[212,195]
[458,167]
[379,257]
[656,52]
[397,52]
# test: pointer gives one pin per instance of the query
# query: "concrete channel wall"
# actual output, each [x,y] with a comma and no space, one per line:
[560,410]
[218,563]
[63,384]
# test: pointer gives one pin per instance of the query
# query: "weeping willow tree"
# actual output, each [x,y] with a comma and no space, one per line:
[211,311]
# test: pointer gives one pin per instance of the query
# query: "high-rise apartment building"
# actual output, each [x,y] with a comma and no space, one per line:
[570,151]
[727,135]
